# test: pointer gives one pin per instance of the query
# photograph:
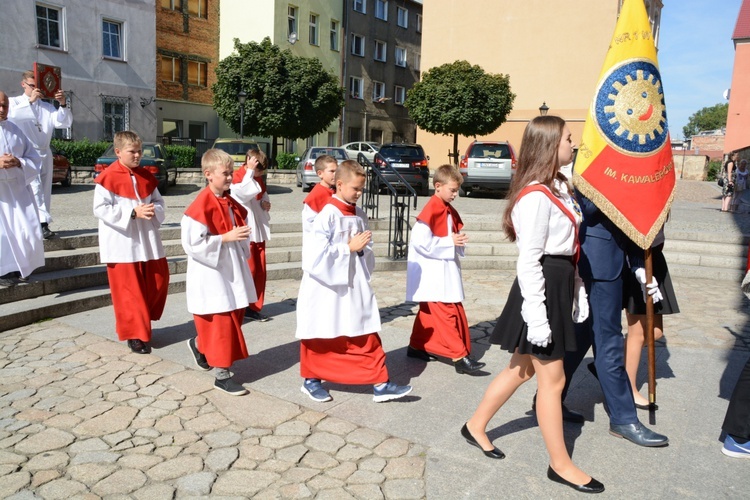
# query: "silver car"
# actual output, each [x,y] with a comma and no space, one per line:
[368,149]
[487,166]
[306,176]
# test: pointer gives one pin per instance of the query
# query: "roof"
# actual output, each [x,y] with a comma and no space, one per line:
[742,28]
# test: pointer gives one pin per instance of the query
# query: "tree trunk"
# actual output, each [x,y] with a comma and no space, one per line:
[455,150]
[274,149]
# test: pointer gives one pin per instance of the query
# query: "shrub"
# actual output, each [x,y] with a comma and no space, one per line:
[81,153]
[714,168]
[286,161]
[182,156]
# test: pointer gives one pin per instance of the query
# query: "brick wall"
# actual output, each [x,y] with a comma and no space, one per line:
[187,38]
[710,145]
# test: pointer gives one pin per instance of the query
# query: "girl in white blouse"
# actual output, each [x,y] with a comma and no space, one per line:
[536,324]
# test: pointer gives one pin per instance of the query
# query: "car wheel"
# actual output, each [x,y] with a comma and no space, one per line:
[306,188]
[424,191]
[299,184]
[463,193]
[67,180]
[163,187]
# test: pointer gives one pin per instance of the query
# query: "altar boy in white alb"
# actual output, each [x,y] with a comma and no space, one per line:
[337,315]
[38,120]
[21,249]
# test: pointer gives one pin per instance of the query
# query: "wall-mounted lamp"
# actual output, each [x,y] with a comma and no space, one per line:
[543,109]
[145,102]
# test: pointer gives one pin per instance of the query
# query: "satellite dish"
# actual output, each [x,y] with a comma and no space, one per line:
[292,37]
[726,94]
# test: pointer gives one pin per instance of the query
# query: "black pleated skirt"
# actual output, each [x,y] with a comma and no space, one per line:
[632,295]
[510,331]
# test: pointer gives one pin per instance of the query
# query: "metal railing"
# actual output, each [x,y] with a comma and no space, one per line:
[400,195]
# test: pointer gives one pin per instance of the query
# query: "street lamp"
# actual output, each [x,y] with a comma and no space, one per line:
[242,97]
[543,109]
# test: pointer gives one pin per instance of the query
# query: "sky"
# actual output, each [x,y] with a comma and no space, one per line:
[696,56]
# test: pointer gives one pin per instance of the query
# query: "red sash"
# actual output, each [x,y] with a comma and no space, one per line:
[116,179]
[213,211]
[544,189]
[435,214]
[346,208]
[318,197]
[240,174]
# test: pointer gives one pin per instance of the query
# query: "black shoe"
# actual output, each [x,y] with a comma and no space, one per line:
[230,387]
[255,315]
[8,280]
[138,346]
[47,233]
[419,354]
[592,486]
[200,360]
[468,365]
[646,407]
[568,415]
[639,434]
[493,453]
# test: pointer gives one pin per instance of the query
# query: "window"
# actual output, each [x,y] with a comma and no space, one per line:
[311,141]
[380,50]
[116,114]
[197,73]
[197,130]
[64,133]
[417,62]
[419,23]
[402,17]
[314,29]
[331,139]
[355,133]
[378,91]
[197,8]
[399,95]
[170,69]
[355,87]
[358,45]
[172,4]
[112,39]
[49,26]
[376,135]
[400,57]
[171,128]
[334,35]
[359,6]
[291,21]
[381,9]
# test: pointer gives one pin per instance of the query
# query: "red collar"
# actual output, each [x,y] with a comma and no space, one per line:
[116,179]
[213,211]
[240,174]
[318,197]
[346,208]
[435,214]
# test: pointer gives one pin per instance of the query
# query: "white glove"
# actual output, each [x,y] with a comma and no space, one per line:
[539,335]
[580,303]
[652,288]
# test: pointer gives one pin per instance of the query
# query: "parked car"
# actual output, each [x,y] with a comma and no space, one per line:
[60,168]
[306,176]
[154,159]
[410,161]
[237,148]
[366,148]
[487,166]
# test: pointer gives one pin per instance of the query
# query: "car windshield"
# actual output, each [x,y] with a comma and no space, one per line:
[401,151]
[235,148]
[501,151]
[337,153]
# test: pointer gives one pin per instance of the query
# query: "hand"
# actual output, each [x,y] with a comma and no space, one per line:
[144,211]
[265,205]
[239,233]
[60,97]
[9,161]
[539,335]
[651,289]
[580,303]
[359,241]
[460,239]
[35,94]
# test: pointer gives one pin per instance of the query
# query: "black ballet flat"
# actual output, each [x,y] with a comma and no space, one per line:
[646,407]
[493,453]
[592,486]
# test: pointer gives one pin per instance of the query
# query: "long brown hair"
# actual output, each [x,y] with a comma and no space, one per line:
[537,161]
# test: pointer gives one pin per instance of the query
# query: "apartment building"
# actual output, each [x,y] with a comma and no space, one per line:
[105,51]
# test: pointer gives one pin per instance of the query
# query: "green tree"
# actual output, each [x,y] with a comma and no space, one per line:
[710,118]
[460,99]
[287,96]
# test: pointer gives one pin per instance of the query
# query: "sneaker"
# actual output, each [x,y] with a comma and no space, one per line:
[733,449]
[200,360]
[390,391]
[231,387]
[255,315]
[47,233]
[313,388]
[5,282]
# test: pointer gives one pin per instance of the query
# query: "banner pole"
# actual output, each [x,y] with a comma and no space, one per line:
[650,342]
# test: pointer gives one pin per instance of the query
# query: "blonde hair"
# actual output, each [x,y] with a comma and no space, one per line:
[28,74]
[258,155]
[125,137]
[445,174]
[215,158]
[323,160]
[348,170]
